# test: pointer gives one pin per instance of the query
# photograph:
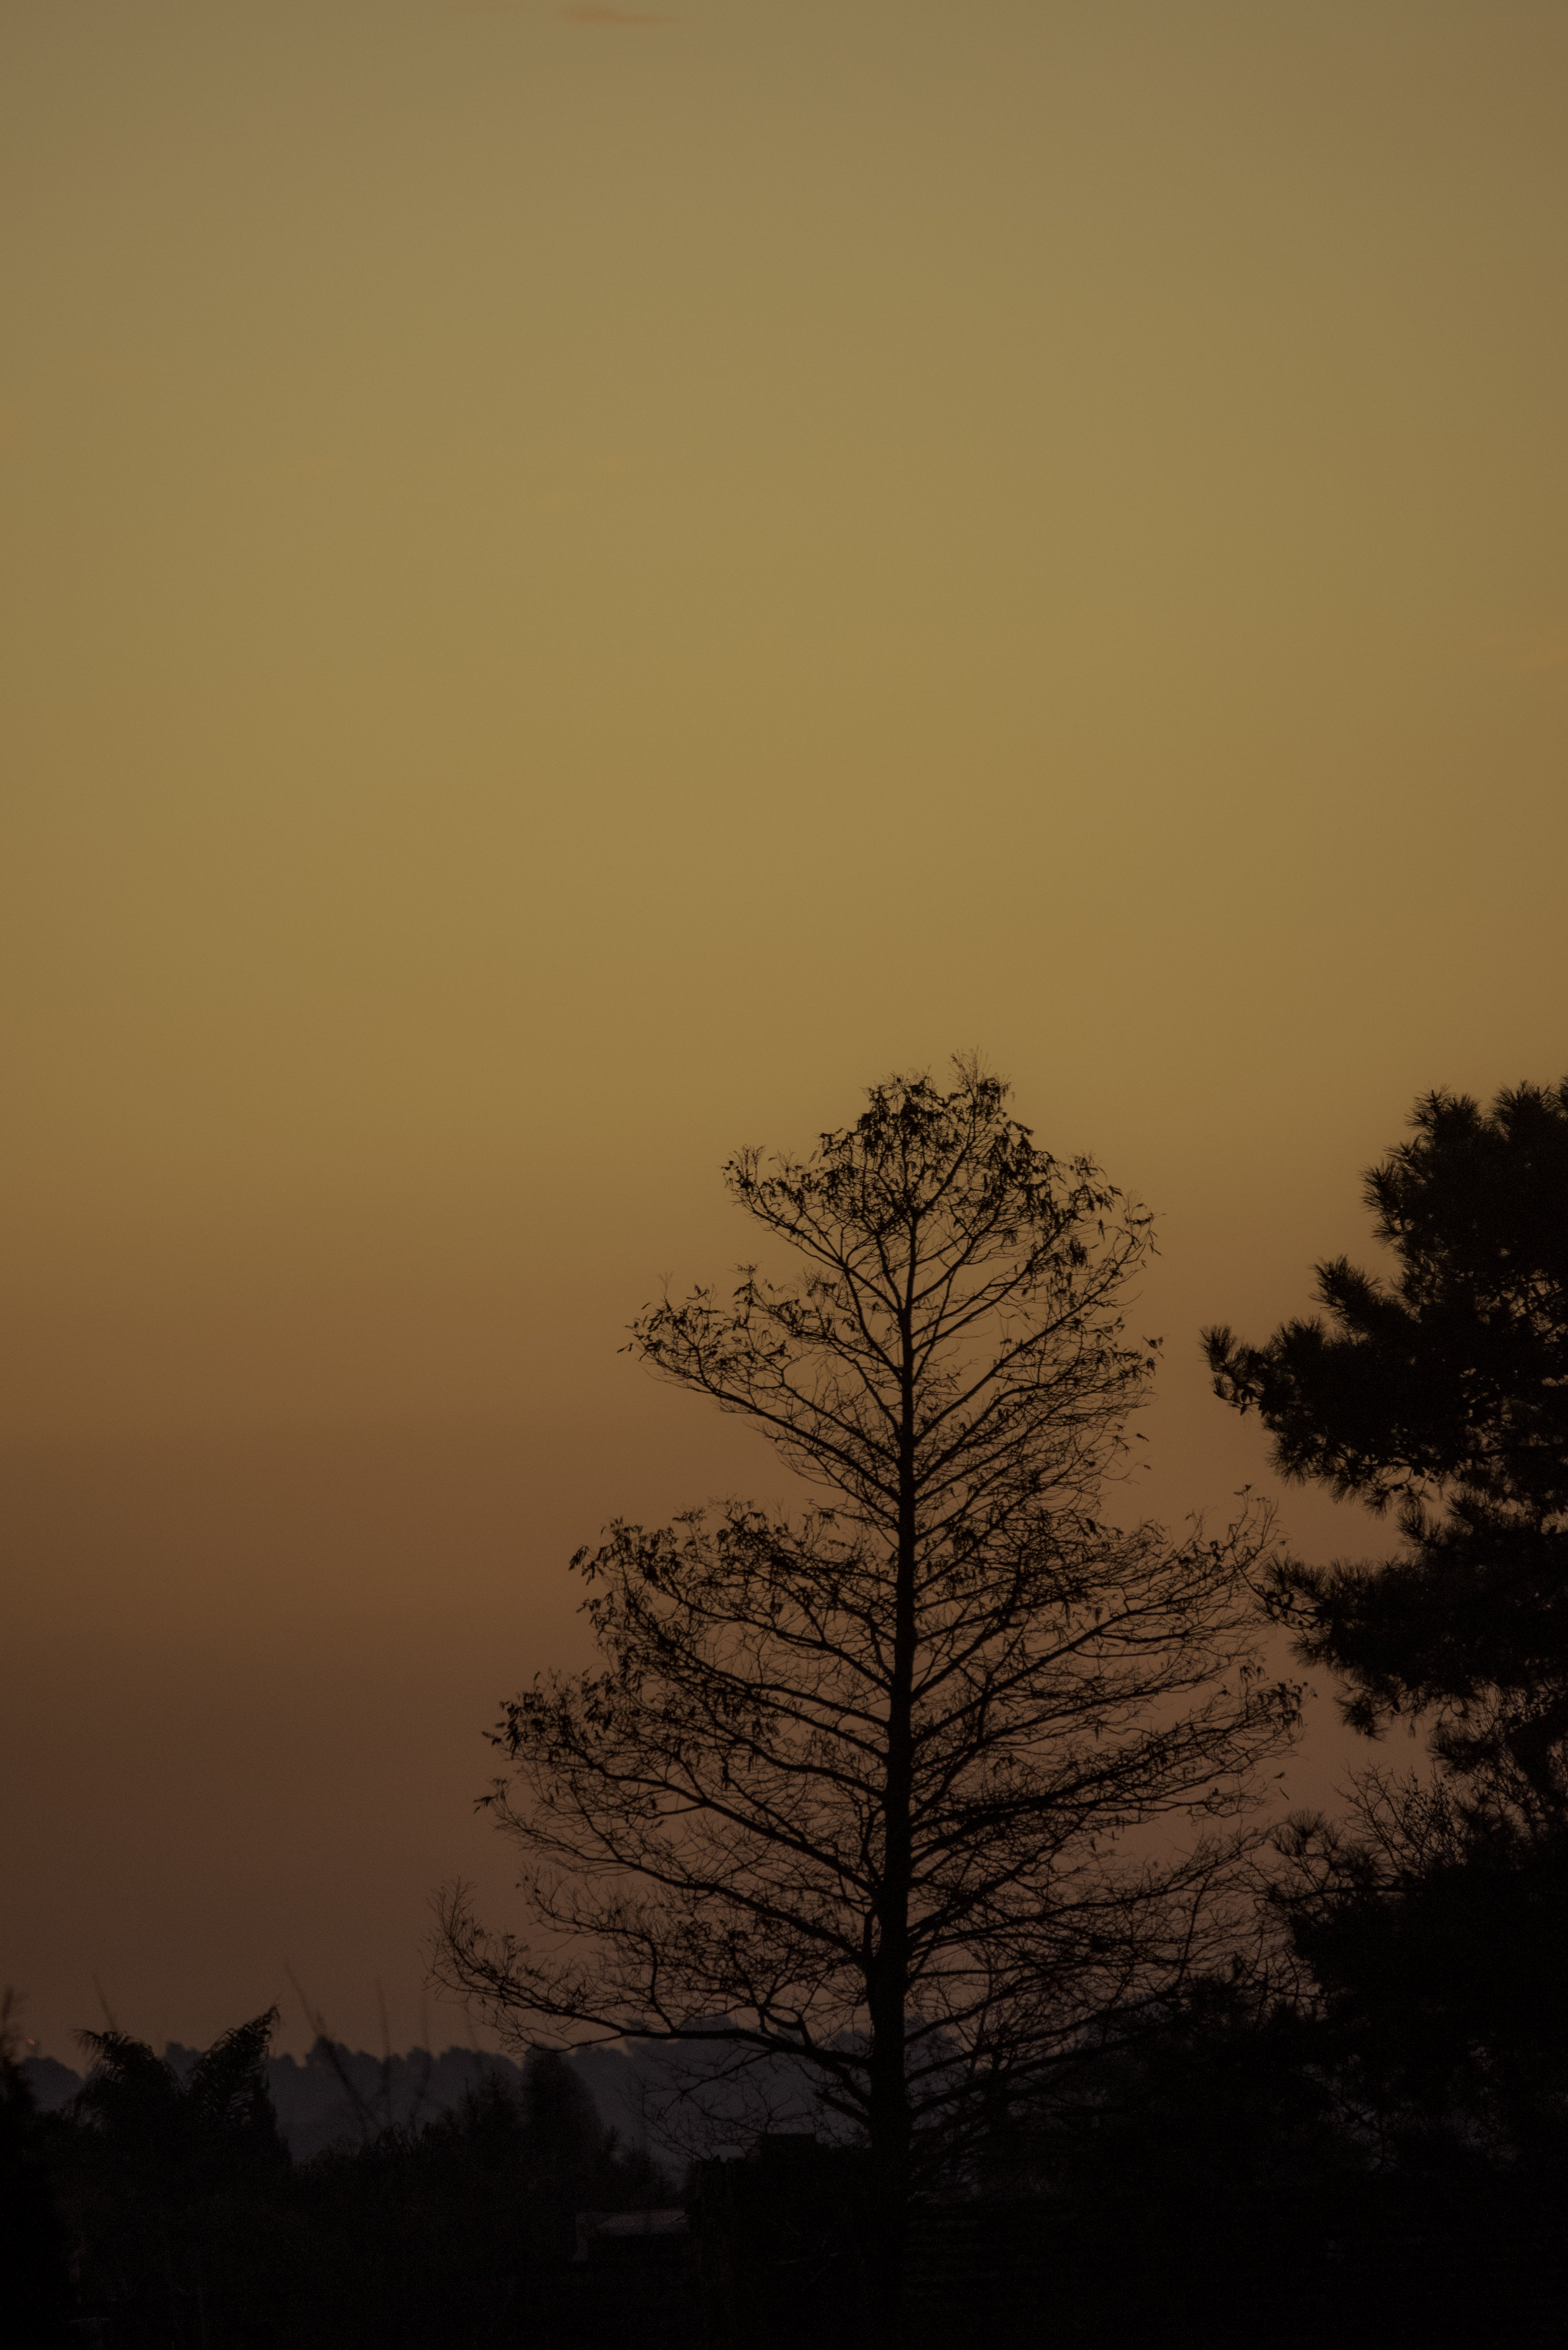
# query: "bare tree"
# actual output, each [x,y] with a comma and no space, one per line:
[856,1787]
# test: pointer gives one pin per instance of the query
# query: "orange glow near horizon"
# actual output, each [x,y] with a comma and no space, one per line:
[580,584]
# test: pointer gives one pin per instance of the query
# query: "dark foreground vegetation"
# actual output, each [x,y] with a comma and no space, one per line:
[1281,2174]
[840,1821]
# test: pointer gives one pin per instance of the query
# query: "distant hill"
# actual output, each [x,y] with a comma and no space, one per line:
[339,2097]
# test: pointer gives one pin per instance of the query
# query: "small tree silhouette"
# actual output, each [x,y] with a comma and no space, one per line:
[219,2119]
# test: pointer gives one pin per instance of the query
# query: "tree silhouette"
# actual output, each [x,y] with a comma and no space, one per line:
[220,2118]
[172,2188]
[1433,1925]
[1432,1922]
[852,1788]
[31,2246]
[1444,1392]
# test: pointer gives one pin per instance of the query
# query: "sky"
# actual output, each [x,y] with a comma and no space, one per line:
[579,584]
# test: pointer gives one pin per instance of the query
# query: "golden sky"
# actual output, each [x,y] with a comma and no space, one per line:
[581,582]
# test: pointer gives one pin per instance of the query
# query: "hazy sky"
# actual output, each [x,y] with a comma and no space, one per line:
[579,583]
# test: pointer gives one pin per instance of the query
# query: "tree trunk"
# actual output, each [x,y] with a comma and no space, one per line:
[888,1987]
